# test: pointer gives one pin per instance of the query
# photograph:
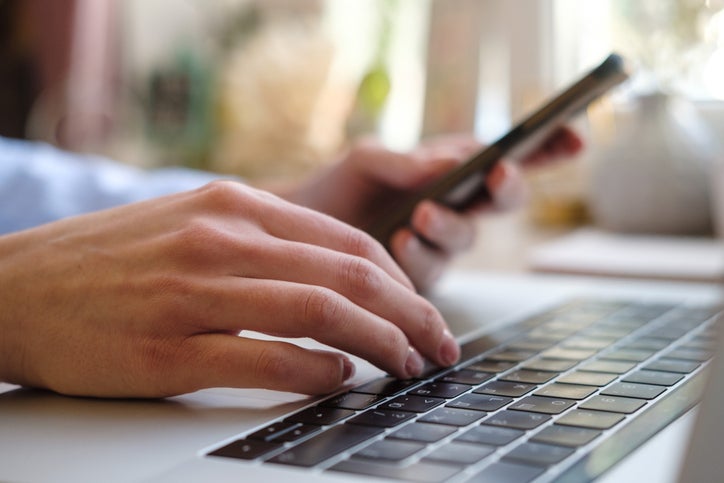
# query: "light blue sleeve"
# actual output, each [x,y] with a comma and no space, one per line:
[40,184]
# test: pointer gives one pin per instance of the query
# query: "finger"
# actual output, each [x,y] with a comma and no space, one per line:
[288,221]
[288,309]
[506,186]
[218,360]
[361,282]
[424,264]
[448,230]
[299,224]
[414,169]
[564,142]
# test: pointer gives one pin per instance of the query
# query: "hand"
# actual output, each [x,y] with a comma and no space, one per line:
[146,300]
[369,178]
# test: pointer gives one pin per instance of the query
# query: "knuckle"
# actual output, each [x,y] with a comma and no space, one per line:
[394,346]
[273,364]
[361,276]
[430,326]
[324,307]
[221,194]
[201,240]
[360,244]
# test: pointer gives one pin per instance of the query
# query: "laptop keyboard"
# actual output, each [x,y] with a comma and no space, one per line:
[537,400]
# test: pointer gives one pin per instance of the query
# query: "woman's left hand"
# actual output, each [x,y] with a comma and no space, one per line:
[369,178]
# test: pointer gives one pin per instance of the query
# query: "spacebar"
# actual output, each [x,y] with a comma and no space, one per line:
[325,445]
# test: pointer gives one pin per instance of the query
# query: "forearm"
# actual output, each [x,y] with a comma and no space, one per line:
[40,184]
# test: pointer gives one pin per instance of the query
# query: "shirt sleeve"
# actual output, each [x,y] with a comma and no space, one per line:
[40,184]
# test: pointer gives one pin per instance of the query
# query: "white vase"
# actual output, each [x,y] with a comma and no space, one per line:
[652,176]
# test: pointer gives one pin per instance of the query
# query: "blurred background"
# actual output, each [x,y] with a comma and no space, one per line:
[276,88]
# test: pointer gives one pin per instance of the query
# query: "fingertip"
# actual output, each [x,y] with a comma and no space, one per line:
[449,349]
[400,245]
[414,364]
[348,369]
[423,264]
[506,186]
[423,217]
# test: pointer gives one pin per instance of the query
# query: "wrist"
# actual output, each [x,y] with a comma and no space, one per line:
[13,363]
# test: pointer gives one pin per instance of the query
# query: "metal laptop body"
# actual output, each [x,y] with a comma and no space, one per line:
[46,437]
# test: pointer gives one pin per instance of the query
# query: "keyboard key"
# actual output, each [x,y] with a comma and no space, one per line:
[568,354]
[635,390]
[464,376]
[487,365]
[385,386]
[654,377]
[445,390]
[587,343]
[614,367]
[598,379]
[422,472]
[490,435]
[452,416]
[320,415]
[590,419]
[511,356]
[505,388]
[389,450]
[566,436]
[696,355]
[549,365]
[424,433]
[552,336]
[530,344]
[632,355]
[273,431]
[516,419]
[699,343]
[545,405]
[325,445]
[246,449]
[299,432]
[673,365]
[530,377]
[625,321]
[414,404]
[480,402]
[352,400]
[671,332]
[460,453]
[566,391]
[507,472]
[650,343]
[382,418]
[607,332]
[430,370]
[539,454]
[625,405]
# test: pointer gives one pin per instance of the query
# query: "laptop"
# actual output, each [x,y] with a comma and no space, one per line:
[562,379]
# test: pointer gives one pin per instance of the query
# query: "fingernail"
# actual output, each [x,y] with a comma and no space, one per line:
[414,363]
[348,369]
[449,349]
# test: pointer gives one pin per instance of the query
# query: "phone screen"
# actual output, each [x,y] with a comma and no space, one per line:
[465,185]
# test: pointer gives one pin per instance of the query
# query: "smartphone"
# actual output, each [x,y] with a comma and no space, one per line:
[465,185]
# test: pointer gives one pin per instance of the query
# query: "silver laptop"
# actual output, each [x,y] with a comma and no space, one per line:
[562,379]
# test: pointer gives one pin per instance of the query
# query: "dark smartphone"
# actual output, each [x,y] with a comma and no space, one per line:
[465,185]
